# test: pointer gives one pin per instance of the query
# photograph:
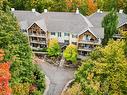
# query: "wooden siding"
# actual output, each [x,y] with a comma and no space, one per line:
[86,33]
[124,27]
[36,29]
[37,37]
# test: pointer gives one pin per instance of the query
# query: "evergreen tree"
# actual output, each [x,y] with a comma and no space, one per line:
[109,23]
[17,49]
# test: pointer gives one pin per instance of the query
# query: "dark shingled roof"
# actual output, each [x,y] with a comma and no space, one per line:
[27,18]
[65,22]
[57,22]
[97,32]
[97,18]
[122,19]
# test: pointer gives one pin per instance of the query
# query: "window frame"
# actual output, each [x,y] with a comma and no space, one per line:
[59,34]
[74,36]
[66,34]
[53,33]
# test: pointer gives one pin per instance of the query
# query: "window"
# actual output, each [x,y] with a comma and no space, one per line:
[59,34]
[34,32]
[35,45]
[87,37]
[42,32]
[66,42]
[74,43]
[33,38]
[53,33]
[23,30]
[66,34]
[74,36]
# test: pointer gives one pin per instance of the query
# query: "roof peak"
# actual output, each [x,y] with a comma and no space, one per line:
[61,12]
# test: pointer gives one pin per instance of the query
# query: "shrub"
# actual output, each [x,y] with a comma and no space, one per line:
[54,48]
[70,53]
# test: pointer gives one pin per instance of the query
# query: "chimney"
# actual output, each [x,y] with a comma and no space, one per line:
[12,9]
[77,11]
[98,11]
[45,10]
[120,11]
[101,11]
[33,10]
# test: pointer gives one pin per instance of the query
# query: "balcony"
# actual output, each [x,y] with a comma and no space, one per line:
[95,42]
[35,48]
[37,35]
[88,49]
[38,42]
[118,36]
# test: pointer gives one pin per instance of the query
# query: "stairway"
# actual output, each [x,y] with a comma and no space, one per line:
[61,62]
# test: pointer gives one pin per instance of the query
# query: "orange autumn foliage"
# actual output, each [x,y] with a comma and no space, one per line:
[69,3]
[91,6]
[4,75]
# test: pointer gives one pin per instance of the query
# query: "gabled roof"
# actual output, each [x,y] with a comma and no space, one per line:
[122,19]
[23,24]
[97,18]
[65,22]
[57,22]
[97,32]
[41,24]
[27,18]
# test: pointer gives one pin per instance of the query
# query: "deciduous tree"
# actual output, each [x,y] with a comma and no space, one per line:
[70,53]
[74,90]
[91,7]
[106,74]
[16,47]
[54,48]
[4,75]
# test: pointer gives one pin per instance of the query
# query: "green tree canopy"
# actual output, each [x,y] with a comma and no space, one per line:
[108,5]
[55,5]
[54,49]
[70,53]
[104,73]
[17,49]
[109,23]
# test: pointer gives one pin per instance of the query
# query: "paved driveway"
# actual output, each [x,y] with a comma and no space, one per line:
[58,77]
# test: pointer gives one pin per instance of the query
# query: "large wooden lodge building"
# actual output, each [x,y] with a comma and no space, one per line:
[67,27]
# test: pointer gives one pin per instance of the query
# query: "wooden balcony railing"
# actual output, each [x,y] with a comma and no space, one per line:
[117,36]
[38,42]
[37,35]
[85,48]
[96,42]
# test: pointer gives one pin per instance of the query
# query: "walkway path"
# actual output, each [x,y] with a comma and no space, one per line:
[58,77]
